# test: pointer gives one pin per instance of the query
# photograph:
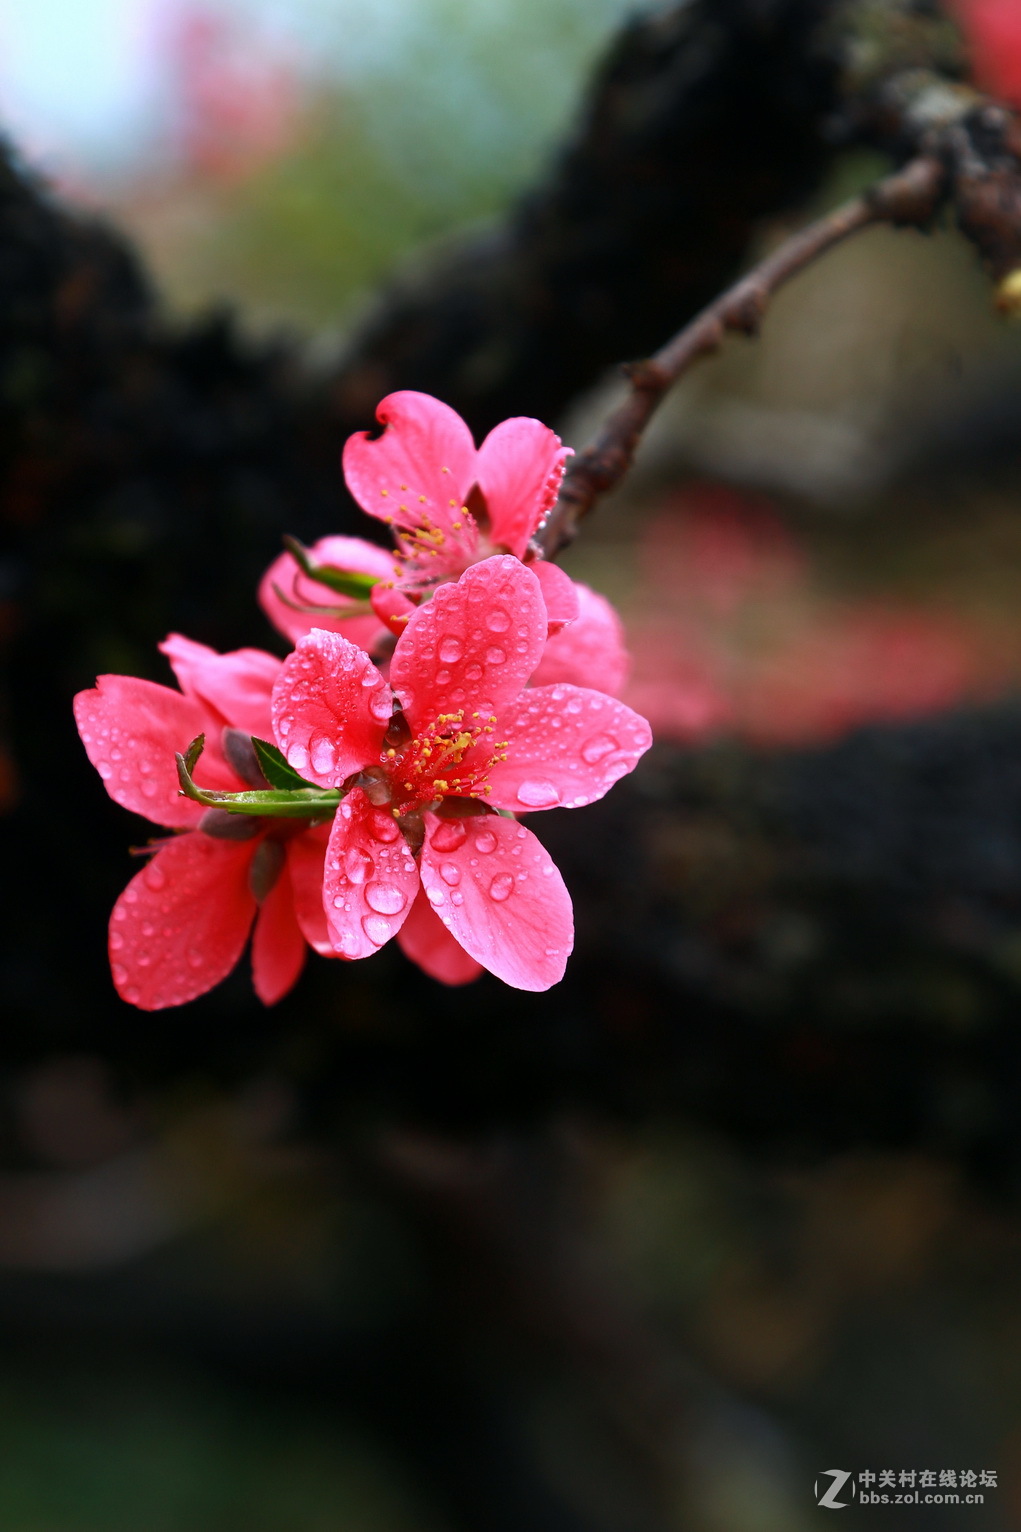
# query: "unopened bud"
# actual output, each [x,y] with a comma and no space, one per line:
[1008,294]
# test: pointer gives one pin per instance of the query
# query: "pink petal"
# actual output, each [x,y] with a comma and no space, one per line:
[559,593]
[131,729]
[496,890]
[305,857]
[182,922]
[238,685]
[278,947]
[473,646]
[370,880]
[421,467]
[591,652]
[519,469]
[345,553]
[567,746]
[392,607]
[426,941]
[330,709]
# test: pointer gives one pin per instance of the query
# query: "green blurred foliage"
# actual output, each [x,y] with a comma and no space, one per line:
[424,118]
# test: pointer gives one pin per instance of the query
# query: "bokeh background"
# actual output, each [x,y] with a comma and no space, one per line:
[304,1276]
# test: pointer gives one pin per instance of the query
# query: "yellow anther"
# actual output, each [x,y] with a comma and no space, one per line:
[404,507]
[456,525]
[421,499]
[492,717]
[384,492]
[451,502]
[403,488]
[444,470]
[391,753]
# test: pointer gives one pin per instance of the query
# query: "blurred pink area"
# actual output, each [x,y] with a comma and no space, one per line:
[236,101]
[739,640]
[993,31]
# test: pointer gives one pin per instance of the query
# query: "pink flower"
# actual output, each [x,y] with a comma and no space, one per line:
[449,506]
[463,737]
[993,31]
[181,924]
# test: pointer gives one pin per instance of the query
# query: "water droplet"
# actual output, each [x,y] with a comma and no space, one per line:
[385,898]
[538,793]
[443,678]
[495,656]
[105,770]
[120,914]
[116,941]
[377,929]
[297,757]
[348,943]
[370,678]
[597,748]
[338,901]
[149,788]
[497,621]
[357,864]
[450,649]
[501,887]
[195,958]
[457,898]
[322,753]
[382,827]
[573,705]
[473,673]
[552,951]
[132,994]
[435,895]
[485,841]
[284,727]
[154,877]
[381,705]
[147,928]
[130,895]
[450,873]
[448,835]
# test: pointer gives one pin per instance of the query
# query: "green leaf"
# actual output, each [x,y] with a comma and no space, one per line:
[276,803]
[275,767]
[346,582]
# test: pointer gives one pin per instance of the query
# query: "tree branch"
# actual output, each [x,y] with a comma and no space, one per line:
[911,196]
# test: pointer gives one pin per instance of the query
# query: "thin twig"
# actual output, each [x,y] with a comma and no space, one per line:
[910,196]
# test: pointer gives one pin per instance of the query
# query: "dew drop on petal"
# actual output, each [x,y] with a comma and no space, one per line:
[443,678]
[195,958]
[473,673]
[435,895]
[149,788]
[448,835]
[382,826]
[377,929]
[497,621]
[501,887]
[385,898]
[485,841]
[348,943]
[105,770]
[450,649]
[133,994]
[154,877]
[538,793]
[119,972]
[322,753]
[457,898]
[597,748]
[381,705]
[450,873]
[116,941]
[297,757]
[357,864]
[495,656]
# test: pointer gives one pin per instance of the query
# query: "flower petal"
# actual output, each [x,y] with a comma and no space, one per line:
[591,650]
[494,887]
[305,858]
[278,947]
[419,470]
[182,922]
[567,746]
[345,553]
[473,646]
[370,880]
[519,469]
[131,729]
[238,685]
[426,941]
[559,593]
[330,709]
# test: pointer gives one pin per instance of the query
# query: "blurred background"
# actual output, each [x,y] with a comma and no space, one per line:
[553,1289]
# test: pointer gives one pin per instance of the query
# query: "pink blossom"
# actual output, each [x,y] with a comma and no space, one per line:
[449,507]
[181,924]
[425,757]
